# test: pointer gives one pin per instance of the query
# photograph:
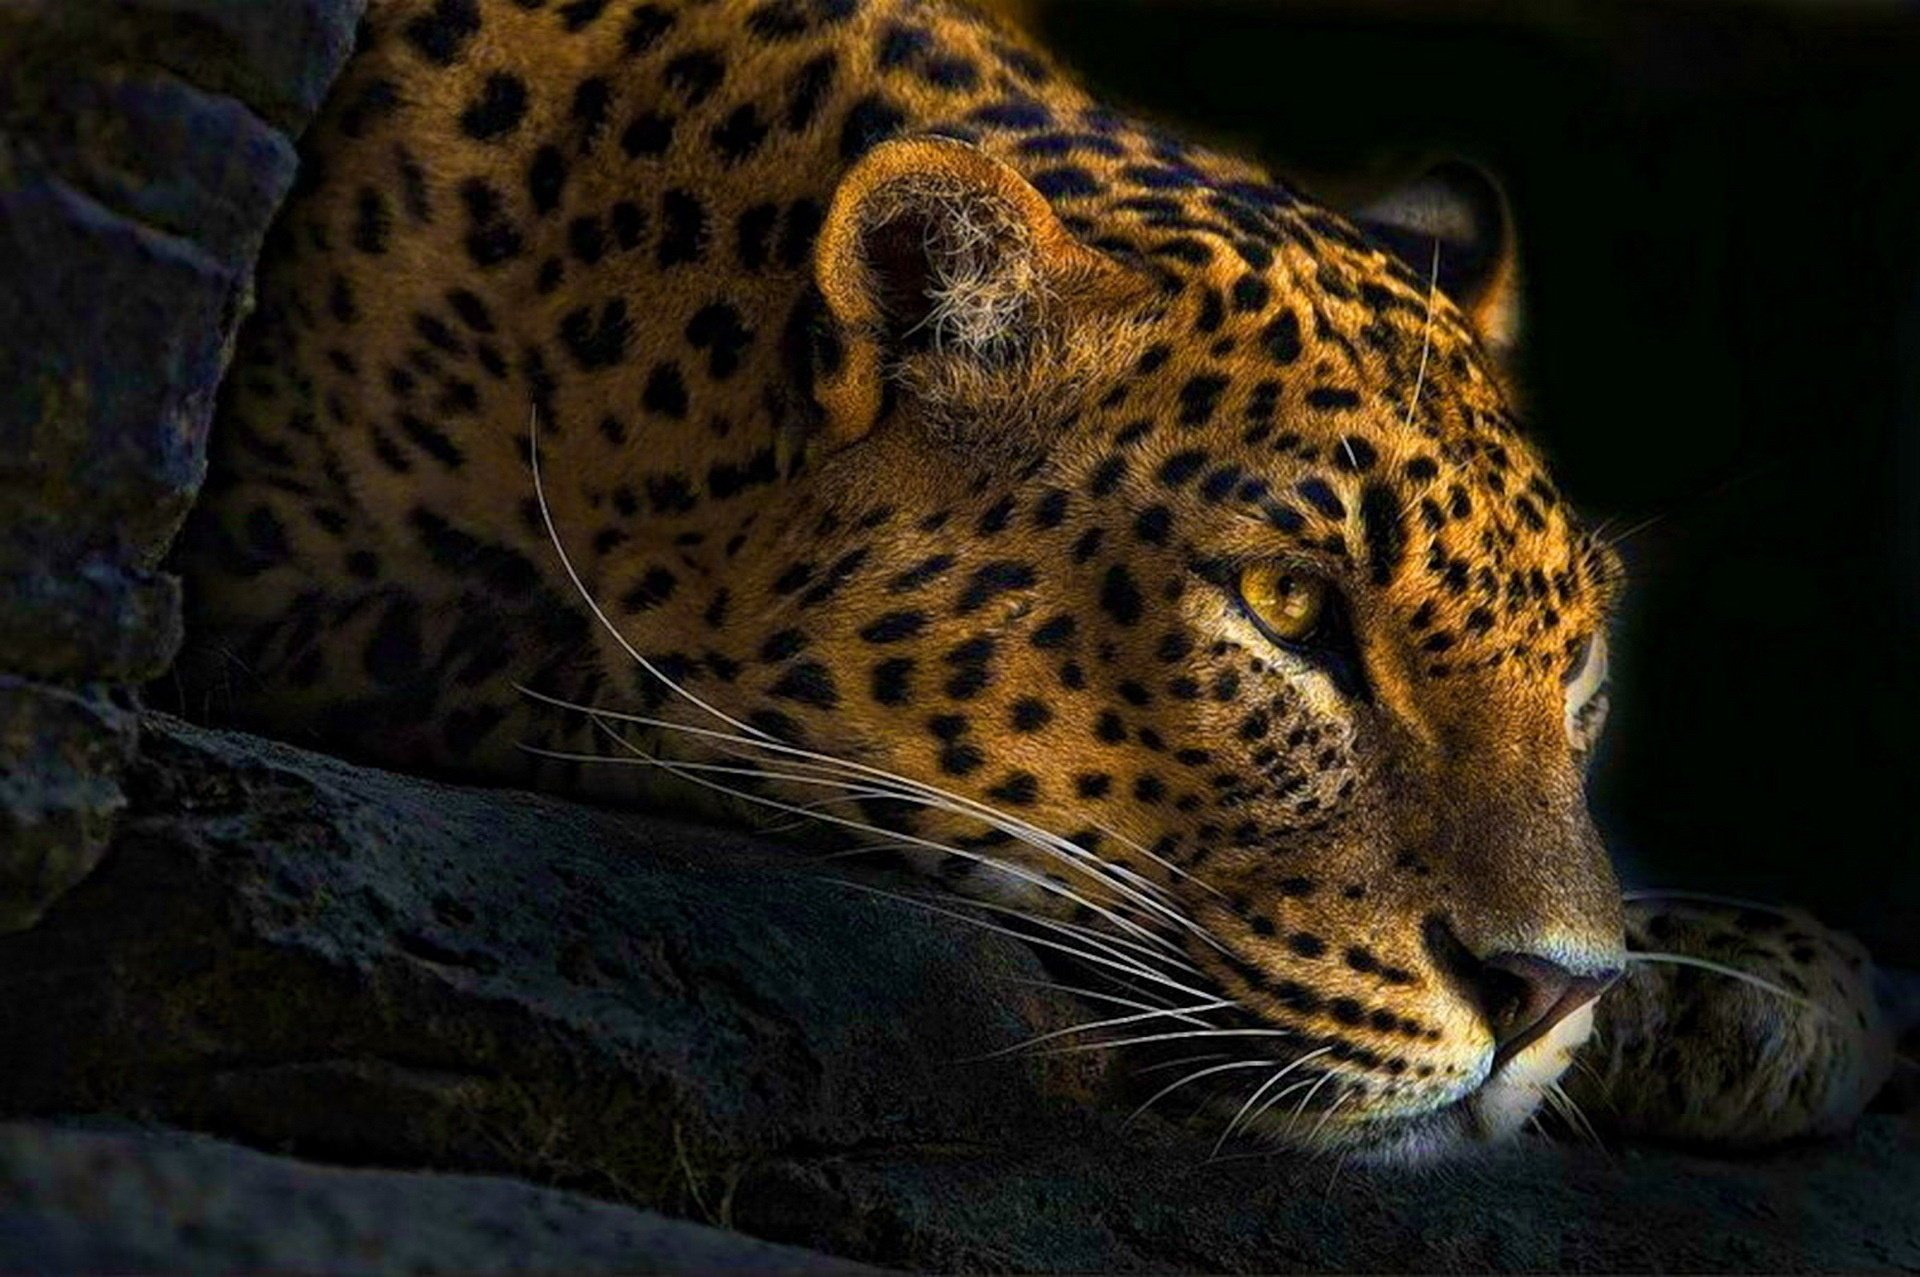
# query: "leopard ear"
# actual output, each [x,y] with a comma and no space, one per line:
[1457,216]
[932,250]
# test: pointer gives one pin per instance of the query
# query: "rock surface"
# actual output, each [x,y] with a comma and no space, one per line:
[344,964]
[89,1199]
[144,148]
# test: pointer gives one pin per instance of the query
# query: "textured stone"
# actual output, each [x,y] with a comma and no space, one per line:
[275,57]
[360,965]
[118,1199]
[130,214]
[61,754]
[144,148]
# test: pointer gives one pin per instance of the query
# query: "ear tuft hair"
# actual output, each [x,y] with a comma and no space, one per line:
[949,276]
[952,270]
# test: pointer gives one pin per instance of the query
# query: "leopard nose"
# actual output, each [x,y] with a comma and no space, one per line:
[1522,996]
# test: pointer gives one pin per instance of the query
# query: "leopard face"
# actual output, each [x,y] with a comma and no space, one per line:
[1026,585]
[979,521]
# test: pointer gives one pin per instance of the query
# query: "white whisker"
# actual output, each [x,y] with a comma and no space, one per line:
[1061,849]
[1732,973]
[1253,1099]
[1157,1096]
[1097,995]
[1174,1064]
[1272,1102]
[1301,1109]
[1706,898]
[1116,1044]
[923,792]
[586,595]
[1154,1014]
[1116,963]
[688,772]
[1426,339]
[1091,935]
[1339,1164]
[1162,861]
[1332,1108]
[1571,1109]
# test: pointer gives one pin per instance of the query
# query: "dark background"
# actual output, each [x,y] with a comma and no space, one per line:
[1720,212]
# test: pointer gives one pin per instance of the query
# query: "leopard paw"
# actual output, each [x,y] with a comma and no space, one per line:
[1736,1026]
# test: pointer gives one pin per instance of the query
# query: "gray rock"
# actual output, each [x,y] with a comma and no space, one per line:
[360,965]
[61,753]
[144,148]
[344,964]
[137,180]
[125,1200]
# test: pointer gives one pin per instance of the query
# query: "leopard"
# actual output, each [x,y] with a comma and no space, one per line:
[829,414]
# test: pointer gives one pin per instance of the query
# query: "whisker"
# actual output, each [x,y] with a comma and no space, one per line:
[1552,1104]
[1572,1112]
[1426,342]
[1156,1014]
[1696,499]
[586,595]
[1581,1062]
[1273,1101]
[1301,1109]
[928,795]
[1157,1096]
[1117,963]
[1116,1044]
[1171,1011]
[1174,1064]
[1091,935]
[1102,940]
[1339,1164]
[1634,531]
[1332,1108]
[1162,861]
[1253,1099]
[1575,1114]
[1060,848]
[991,861]
[1268,1106]
[686,771]
[1705,897]
[1732,973]
[1098,995]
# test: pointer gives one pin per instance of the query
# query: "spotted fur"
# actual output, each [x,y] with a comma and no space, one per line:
[1686,1053]
[895,400]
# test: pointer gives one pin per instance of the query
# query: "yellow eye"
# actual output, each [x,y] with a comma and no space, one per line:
[1289,605]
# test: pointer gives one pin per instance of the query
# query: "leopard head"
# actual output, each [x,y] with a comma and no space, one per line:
[1169,564]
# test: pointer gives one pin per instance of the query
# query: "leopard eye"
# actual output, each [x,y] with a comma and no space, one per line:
[1303,613]
[1289,605]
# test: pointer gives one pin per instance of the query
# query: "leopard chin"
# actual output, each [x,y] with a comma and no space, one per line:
[1492,1108]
